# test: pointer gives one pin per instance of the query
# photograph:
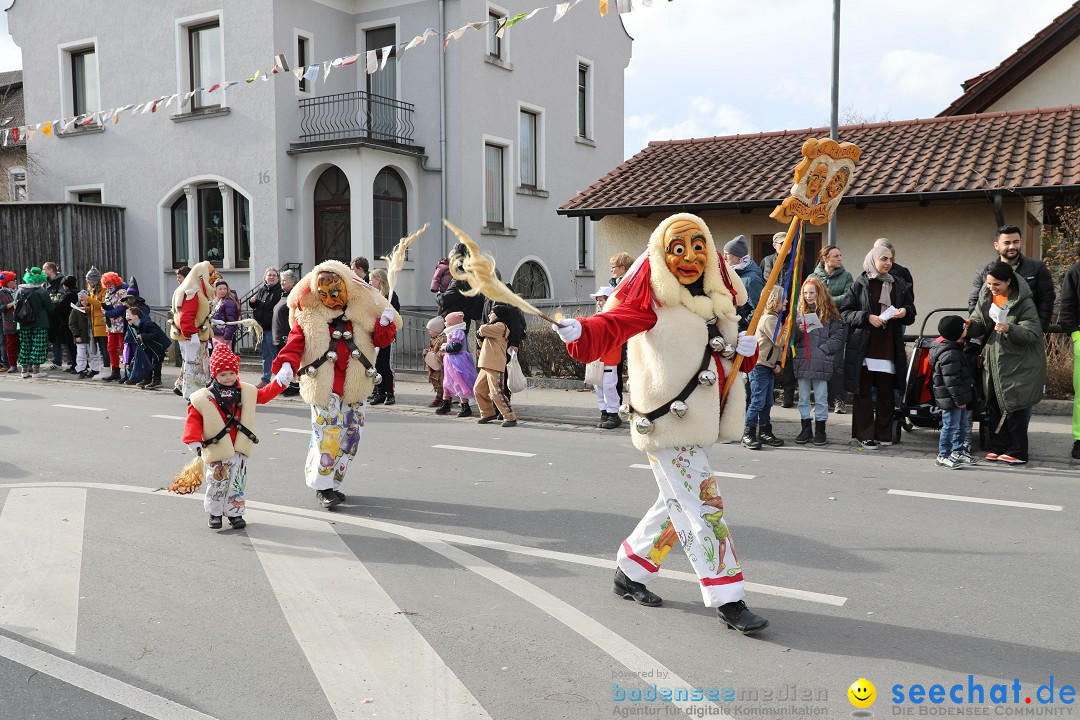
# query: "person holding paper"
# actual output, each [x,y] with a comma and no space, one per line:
[1014,359]
[820,338]
[877,308]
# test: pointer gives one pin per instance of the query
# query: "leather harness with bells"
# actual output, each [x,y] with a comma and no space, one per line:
[231,419]
[710,348]
[337,332]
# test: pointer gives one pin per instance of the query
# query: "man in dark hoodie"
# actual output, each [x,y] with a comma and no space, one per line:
[1007,242]
[953,391]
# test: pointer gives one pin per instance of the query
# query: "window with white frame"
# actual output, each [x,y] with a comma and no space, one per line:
[303,57]
[204,62]
[584,245]
[221,218]
[17,187]
[88,196]
[584,89]
[529,149]
[494,188]
[531,282]
[494,40]
[85,94]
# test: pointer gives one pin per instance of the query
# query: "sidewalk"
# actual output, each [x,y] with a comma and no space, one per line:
[1050,436]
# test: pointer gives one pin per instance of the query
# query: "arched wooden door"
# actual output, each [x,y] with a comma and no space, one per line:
[333,227]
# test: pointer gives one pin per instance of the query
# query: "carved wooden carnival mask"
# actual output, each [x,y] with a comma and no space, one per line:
[332,291]
[685,251]
[821,179]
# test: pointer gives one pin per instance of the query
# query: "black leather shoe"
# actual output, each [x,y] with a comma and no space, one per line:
[327,498]
[1076,450]
[389,400]
[215,522]
[238,523]
[630,590]
[340,495]
[738,617]
[377,400]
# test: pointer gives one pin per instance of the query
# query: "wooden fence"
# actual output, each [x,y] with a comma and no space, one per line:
[74,235]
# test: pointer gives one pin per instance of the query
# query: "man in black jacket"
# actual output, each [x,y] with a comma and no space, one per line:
[279,326]
[1069,319]
[262,309]
[1007,242]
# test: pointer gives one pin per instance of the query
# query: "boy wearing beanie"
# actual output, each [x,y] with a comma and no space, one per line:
[433,357]
[221,428]
[953,391]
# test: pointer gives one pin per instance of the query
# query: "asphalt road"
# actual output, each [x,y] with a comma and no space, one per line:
[458,582]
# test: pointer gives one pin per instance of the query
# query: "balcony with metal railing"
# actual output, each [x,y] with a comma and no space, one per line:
[353,119]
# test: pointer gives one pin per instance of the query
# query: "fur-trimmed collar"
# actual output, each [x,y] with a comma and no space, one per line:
[451,328]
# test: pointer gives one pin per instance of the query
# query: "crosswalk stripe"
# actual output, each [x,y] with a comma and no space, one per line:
[463,448]
[349,629]
[79,407]
[716,473]
[293,430]
[41,539]
[981,501]
[169,417]
[119,692]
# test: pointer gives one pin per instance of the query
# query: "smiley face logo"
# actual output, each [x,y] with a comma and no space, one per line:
[862,693]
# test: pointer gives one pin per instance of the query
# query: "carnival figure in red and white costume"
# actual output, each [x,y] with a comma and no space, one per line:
[676,308]
[190,327]
[338,322]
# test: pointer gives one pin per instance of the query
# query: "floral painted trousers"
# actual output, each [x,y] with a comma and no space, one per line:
[196,367]
[690,512]
[225,481]
[335,437]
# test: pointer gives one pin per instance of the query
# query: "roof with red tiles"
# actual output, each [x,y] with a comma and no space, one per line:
[983,90]
[1026,152]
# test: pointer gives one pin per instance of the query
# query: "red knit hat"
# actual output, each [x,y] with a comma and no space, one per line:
[223,359]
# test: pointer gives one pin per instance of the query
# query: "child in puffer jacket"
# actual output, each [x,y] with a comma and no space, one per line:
[954,391]
[819,337]
[459,370]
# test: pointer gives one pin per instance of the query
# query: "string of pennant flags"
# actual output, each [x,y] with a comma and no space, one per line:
[374,61]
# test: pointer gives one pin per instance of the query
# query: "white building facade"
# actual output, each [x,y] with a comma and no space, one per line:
[494,133]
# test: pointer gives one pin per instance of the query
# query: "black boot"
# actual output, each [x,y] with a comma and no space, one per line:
[238,522]
[805,434]
[214,523]
[613,421]
[113,376]
[749,438]
[327,498]
[389,399]
[765,435]
[738,617]
[465,411]
[377,399]
[603,418]
[819,433]
[630,590]
[443,409]
[789,399]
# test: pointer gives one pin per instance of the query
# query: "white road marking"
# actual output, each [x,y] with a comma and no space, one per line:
[405,531]
[982,501]
[80,407]
[41,539]
[484,450]
[293,430]
[7,399]
[350,630]
[169,417]
[716,473]
[94,682]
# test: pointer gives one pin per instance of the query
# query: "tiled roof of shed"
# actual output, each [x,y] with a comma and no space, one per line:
[1019,151]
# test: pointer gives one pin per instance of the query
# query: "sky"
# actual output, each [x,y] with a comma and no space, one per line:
[702,68]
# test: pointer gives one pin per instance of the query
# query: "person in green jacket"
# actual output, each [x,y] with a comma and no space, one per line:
[830,269]
[34,336]
[1014,360]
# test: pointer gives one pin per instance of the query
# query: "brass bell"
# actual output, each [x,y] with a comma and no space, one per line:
[372,372]
[624,412]
[336,334]
[679,408]
[707,378]
[643,425]
[355,354]
[331,356]
[347,335]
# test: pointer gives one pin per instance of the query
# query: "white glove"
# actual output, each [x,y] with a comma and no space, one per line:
[387,317]
[569,333]
[747,344]
[284,375]
[194,339]
[215,321]
[195,447]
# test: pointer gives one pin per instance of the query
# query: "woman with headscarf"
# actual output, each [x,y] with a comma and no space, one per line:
[1014,360]
[877,308]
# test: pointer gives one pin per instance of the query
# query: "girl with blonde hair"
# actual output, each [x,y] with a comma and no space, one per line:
[819,339]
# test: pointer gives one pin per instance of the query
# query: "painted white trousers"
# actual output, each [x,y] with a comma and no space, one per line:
[225,481]
[690,512]
[196,366]
[87,357]
[335,438]
[607,395]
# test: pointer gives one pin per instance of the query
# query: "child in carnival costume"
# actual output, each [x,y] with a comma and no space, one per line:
[113,309]
[338,322]
[677,309]
[459,370]
[220,428]
[190,327]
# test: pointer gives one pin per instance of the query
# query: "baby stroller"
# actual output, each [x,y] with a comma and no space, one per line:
[917,407]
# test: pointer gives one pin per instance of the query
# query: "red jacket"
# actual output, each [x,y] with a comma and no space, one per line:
[193,426]
[382,336]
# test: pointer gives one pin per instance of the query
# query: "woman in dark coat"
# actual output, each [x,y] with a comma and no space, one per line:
[1014,359]
[874,358]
